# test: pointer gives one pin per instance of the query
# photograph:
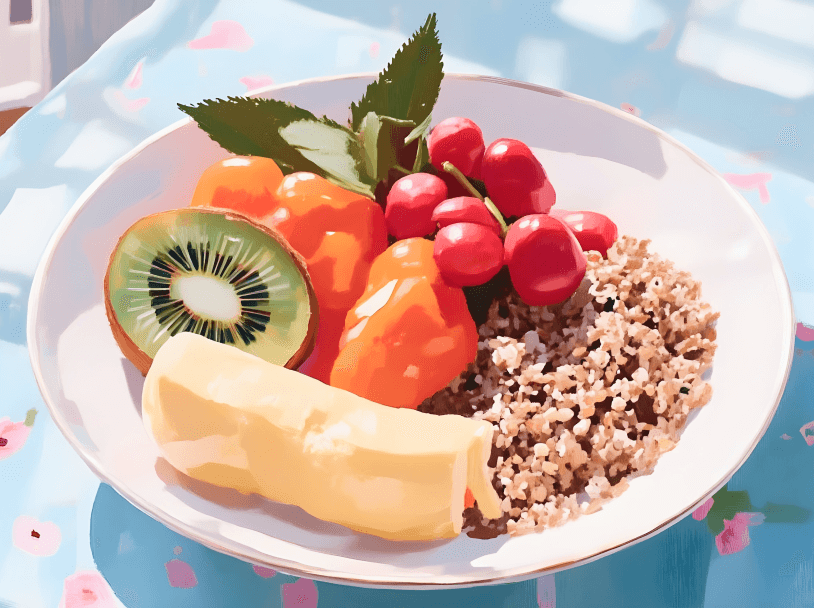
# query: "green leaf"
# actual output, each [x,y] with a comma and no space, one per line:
[293,137]
[408,87]
[381,140]
[725,505]
[30,415]
[785,514]
[419,131]
[422,156]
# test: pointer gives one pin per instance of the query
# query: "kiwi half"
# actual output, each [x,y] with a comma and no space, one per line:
[211,272]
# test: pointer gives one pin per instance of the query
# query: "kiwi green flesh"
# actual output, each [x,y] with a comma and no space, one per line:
[212,274]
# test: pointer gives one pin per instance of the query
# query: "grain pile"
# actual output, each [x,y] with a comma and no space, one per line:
[587,394]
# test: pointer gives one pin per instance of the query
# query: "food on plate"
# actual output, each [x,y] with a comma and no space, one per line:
[458,141]
[410,205]
[464,209]
[515,179]
[589,393]
[229,418]
[410,333]
[338,233]
[468,254]
[544,258]
[245,184]
[594,231]
[213,273]
[549,360]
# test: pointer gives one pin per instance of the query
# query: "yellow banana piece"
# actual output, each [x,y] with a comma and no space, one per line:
[229,418]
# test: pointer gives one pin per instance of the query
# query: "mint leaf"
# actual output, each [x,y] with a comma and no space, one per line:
[408,87]
[422,156]
[291,136]
[382,140]
[419,131]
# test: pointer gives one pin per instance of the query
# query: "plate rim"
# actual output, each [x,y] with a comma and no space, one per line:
[516,574]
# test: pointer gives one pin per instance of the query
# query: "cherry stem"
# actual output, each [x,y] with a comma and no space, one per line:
[504,229]
[402,169]
[456,173]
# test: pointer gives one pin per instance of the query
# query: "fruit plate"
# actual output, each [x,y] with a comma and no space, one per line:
[599,159]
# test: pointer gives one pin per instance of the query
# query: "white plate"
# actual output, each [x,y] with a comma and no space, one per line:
[598,158]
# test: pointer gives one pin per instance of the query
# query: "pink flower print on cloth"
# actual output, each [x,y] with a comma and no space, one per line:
[13,435]
[41,538]
[228,35]
[134,80]
[302,593]
[255,82]
[807,431]
[264,572]
[735,535]
[630,109]
[86,590]
[806,334]
[701,512]
[180,574]
[751,181]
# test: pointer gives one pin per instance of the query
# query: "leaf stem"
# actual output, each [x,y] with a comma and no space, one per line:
[456,173]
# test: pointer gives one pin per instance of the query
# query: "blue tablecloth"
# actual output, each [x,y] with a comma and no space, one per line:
[732,79]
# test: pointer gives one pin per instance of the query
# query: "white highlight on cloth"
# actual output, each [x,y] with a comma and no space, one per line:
[26,225]
[208,297]
[787,19]
[462,66]
[618,21]
[540,62]
[9,289]
[744,63]
[706,7]
[803,306]
[94,148]
[57,106]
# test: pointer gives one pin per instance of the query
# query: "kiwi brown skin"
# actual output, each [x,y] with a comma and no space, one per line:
[143,361]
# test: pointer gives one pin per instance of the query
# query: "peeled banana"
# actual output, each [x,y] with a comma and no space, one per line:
[229,418]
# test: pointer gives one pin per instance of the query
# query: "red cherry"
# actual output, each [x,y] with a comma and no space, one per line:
[454,187]
[467,254]
[459,141]
[464,209]
[545,261]
[410,204]
[594,231]
[515,179]
[477,172]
